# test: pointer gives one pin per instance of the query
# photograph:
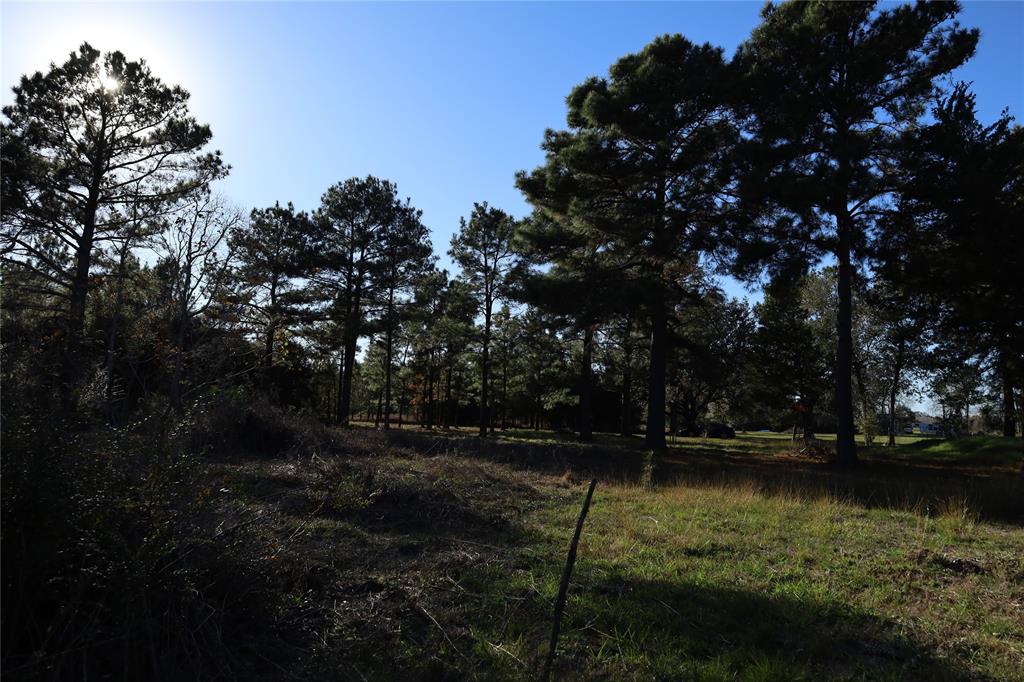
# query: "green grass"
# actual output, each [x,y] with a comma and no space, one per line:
[912,448]
[726,583]
[397,565]
[976,450]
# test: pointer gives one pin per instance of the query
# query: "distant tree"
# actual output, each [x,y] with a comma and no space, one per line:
[351,222]
[454,332]
[483,250]
[956,241]
[902,322]
[426,363]
[507,340]
[621,353]
[712,339]
[547,369]
[124,310]
[81,145]
[272,252]
[574,282]
[639,180]
[406,254]
[955,386]
[830,90]
[142,223]
[789,369]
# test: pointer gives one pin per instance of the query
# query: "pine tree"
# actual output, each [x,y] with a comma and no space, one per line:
[81,143]
[638,180]
[829,91]
[956,240]
[483,250]
[406,254]
[353,219]
[272,251]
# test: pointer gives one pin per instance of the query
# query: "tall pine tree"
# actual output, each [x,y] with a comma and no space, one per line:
[830,90]
[483,249]
[638,180]
[82,144]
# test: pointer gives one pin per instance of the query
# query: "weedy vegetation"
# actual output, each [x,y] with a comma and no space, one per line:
[348,555]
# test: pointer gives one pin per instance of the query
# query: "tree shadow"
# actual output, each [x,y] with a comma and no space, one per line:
[990,494]
[414,569]
[369,555]
[929,490]
[682,630]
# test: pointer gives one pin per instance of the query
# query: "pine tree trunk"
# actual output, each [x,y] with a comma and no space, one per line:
[897,371]
[387,378]
[350,338]
[341,387]
[268,348]
[485,377]
[626,428]
[504,392]
[401,405]
[846,446]
[448,398]
[655,437]
[586,389]
[892,410]
[182,338]
[458,395]
[1009,410]
[71,363]
[345,399]
[115,320]
[430,395]
[808,423]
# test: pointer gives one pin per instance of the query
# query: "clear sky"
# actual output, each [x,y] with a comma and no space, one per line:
[448,100]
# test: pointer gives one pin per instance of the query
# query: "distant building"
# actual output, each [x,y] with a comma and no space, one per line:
[927,425]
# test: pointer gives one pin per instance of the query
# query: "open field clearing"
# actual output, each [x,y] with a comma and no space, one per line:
[391,564]
[352,341]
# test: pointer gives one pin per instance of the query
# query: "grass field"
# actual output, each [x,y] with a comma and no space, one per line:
[985,450]
[398,565]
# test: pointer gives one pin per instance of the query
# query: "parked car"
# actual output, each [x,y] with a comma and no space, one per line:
[719,430]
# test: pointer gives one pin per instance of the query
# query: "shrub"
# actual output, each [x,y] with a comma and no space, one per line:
[224,423]
[113,562]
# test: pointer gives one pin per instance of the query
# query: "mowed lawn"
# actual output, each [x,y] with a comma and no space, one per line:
[446,567]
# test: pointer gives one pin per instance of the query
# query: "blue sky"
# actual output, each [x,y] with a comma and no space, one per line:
[448,100]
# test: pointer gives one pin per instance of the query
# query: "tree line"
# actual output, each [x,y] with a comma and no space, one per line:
[829,159]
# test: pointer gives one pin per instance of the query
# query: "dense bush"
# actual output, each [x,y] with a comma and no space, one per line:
[225,422]
[113,557]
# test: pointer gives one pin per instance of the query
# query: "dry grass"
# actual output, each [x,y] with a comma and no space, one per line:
[370,557]
[445,566]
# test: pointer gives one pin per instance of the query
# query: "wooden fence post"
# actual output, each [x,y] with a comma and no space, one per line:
[564,587]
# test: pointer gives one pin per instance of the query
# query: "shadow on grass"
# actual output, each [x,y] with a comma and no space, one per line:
[363,551]
[971,452]
[679,630]
[994,494]
[406,576]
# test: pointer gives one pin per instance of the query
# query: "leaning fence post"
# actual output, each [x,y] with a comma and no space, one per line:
[564,587]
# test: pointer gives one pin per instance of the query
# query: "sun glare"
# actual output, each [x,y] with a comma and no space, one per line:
[109,83]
